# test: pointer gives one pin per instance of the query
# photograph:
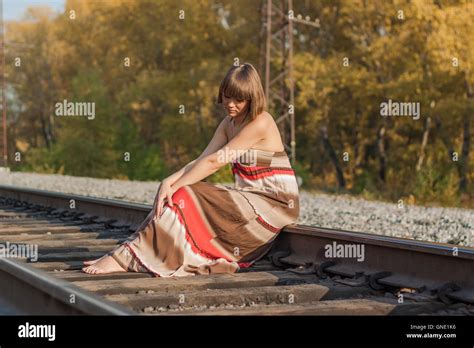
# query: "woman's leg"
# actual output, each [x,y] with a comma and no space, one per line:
[139,228]
[107,263]
[121,259]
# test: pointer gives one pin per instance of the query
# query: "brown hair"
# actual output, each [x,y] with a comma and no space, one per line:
[243,82]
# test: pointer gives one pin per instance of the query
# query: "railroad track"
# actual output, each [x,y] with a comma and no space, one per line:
[392,276]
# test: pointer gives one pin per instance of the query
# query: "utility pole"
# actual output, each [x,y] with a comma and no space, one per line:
[278,65]
[4,96]
[276,61]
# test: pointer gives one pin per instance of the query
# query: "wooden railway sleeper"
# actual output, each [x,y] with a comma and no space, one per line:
[88,218]
[107,222]
[58,212]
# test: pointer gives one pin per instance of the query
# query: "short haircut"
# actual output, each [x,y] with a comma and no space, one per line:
[243,82]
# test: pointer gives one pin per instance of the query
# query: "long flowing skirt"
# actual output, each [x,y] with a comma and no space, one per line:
[211,228]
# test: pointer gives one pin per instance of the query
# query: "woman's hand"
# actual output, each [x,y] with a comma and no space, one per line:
[165,192]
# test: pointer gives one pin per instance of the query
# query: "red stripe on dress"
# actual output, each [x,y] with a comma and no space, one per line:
[250,174]
[192,243]
[199,233]
[265,224]
[244,264]
[194,247]
[259,168]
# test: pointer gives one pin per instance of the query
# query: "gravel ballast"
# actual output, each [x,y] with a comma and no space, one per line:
[436,224]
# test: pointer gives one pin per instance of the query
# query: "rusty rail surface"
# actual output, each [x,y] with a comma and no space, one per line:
[395,276]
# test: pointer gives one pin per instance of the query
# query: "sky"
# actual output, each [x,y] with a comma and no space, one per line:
[14,9]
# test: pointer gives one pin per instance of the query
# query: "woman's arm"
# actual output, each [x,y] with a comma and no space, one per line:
[166,190]
[207,165]
[218,140]
[176,175]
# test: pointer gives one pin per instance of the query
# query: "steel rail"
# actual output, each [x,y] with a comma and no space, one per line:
[35,292]
[389,261]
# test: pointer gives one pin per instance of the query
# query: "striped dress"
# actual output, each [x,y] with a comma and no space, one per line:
[216,228]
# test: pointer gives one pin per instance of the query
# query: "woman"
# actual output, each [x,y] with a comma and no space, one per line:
[212,228]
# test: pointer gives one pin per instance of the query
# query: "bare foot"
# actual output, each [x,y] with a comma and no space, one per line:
[105,264]
[88,263]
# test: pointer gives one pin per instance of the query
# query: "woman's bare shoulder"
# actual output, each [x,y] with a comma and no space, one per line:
[267,118]
[262,121]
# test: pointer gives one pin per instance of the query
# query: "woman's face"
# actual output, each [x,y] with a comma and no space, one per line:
[234,107]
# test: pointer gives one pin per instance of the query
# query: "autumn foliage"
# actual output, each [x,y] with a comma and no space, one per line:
[153,77]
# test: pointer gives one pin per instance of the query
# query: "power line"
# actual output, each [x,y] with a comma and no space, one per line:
[277,27]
